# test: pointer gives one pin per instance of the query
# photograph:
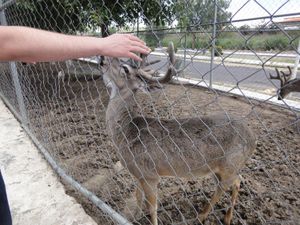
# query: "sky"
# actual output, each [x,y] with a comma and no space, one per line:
[257,8]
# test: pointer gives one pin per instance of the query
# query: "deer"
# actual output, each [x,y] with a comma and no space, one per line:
[151,148]
[287,85]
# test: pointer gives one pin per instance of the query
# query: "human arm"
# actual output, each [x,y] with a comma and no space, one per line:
[33,45]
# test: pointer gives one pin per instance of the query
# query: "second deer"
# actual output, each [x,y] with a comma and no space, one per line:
[287,85]
[151,148]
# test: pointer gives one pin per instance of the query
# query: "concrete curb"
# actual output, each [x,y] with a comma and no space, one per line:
[294,105]
[35,193]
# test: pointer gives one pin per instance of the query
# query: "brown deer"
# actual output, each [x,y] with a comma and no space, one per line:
[151,148]
[287,85]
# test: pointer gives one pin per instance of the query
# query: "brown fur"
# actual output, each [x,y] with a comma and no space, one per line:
[193,147]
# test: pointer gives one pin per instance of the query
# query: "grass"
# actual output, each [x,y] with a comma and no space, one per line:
[229,41]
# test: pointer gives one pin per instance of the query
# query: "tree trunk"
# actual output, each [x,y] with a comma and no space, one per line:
[194,40]
[104,33]
[104,29]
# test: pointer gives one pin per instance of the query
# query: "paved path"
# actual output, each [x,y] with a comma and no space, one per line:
[250,77]
[35,194]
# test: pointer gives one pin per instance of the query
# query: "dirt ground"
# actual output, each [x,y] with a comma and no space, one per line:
[69,118]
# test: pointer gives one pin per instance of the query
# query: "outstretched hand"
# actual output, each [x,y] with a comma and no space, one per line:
[32,45]
[124,45]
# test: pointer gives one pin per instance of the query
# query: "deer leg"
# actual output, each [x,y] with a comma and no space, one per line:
[207,208]
[150,190]
[225,181]
[234,195]
[139,199]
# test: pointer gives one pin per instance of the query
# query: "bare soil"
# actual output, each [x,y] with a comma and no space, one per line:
[69,118]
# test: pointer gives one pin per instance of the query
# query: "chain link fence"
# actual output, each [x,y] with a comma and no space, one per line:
[226,51]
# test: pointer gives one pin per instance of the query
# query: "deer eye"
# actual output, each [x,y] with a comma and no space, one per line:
[126,69]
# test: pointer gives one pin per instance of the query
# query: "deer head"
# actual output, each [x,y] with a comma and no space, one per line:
[284,78]
[120,76]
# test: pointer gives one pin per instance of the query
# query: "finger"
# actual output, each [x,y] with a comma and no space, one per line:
[139,50]
[134,56]
[136,43]
[134,38]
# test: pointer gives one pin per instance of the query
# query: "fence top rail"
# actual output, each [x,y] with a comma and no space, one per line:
[271,17]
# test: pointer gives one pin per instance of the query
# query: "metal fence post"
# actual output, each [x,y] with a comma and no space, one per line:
[184,53]
[2,15]
[294,75]
[138,26]
[15,76]
[213,44]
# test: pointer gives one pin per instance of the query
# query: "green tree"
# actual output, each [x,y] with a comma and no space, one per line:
[193,15]
[245,29]
[80,15]
[61,16]
[196,13]
[122,12]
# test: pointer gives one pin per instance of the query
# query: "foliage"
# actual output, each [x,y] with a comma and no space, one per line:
[81,15]
[234,41]
[200,13]
[152,37]
[218,50]
[122,12]
[262,42]
[277,42]
[231,43]
[245,29]
[60,16]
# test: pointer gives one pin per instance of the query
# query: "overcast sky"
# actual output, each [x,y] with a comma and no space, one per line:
[256,9]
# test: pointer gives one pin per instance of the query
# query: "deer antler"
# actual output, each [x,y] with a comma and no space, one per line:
[278,77]
[149,74]
[282,76]
[287,76]
[286,84]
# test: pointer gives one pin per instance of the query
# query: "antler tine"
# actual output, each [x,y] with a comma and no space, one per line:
[275,77]
[171,52]
[283,76]
[278,77]
[290,70]
[287,76]
[277,73]
[170,72]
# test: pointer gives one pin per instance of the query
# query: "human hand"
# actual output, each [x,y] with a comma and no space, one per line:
[124,45]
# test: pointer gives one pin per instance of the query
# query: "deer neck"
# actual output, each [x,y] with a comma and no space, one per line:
[119,114]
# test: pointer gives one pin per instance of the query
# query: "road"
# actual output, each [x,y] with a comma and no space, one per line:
[229,74]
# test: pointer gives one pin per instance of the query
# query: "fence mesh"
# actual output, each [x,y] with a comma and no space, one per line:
[227,50]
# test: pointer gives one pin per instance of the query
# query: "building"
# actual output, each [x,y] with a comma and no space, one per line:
[292,23]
